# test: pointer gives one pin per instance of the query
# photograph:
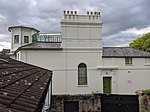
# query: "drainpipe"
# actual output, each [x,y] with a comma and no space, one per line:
[51,97]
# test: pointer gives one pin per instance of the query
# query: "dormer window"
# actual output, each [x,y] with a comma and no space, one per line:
[26,39]
[16,38]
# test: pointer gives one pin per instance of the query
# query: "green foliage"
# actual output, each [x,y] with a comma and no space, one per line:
[141,43]
[92,95]
[146,92]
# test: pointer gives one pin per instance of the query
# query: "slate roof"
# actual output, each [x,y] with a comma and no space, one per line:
[42,45]
[107,51]
[23,87]
[124,52]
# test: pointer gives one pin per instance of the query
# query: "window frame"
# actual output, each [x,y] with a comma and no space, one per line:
[147,60]
[26,41]
[128,61]
[82,74]
[16,39]
[34,38]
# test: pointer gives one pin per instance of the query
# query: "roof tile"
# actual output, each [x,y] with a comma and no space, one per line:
[19,84]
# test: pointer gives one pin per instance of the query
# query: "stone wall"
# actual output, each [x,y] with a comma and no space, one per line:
[92,102]
[144,103]
[87,103]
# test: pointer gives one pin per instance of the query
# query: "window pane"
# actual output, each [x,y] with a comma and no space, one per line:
[147,60]
[34,38]
[82,74]
[83,81]
[128,61]
[16,38]
[26,39]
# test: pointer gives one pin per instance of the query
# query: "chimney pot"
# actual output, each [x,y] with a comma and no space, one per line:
[64,12]
[75,12]
[87,12]
[99,13]
[67,12]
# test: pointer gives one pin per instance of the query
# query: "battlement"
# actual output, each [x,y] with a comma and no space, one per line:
[72,15]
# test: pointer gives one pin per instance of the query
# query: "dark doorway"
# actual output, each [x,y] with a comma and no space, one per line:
[71,106]
[119,103]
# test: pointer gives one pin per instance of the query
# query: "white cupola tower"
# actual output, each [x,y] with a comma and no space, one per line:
[21,35]
[80,31]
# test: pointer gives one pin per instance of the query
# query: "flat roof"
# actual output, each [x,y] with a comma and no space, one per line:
[10,28]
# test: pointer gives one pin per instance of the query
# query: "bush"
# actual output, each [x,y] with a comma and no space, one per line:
[146,92]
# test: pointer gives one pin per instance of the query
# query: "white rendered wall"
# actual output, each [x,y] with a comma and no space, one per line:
[127,78]
[137,79]
[81,31]
[65,69]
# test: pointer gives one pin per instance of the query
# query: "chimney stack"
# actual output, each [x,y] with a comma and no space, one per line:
[71,12]
[87,12]
[67,12]
[75,12]
[64,12]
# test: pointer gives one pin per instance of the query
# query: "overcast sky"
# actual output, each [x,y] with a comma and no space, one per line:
[123,20]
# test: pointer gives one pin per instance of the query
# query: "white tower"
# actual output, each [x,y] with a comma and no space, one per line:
[21,35]
[80,31]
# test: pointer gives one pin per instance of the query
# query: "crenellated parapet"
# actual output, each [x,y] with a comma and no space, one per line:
[81,30]
[89,16]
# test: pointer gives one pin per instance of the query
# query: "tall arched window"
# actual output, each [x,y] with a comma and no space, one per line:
[82,74]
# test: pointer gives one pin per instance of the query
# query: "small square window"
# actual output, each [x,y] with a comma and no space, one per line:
[128,61]
[16,38]
[26,39]
[147,60]
[34,38]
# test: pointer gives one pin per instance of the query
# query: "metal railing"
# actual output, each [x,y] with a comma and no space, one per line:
[54,38]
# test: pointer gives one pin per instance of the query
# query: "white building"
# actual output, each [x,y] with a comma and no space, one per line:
[79,62]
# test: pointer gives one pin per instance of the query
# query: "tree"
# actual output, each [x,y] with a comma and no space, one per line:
[141,43]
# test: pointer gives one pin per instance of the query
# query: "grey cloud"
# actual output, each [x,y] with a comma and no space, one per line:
[45,15]
[4,38]
[126,15]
